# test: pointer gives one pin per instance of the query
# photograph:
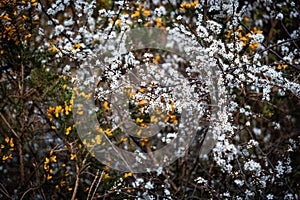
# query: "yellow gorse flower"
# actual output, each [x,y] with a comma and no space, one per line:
[72,156]
[136,14]
[129,174]
[105,105]
[146,12]
[280,67]
[68,130]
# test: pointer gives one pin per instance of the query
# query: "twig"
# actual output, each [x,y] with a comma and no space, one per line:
[101,177]
[12,130]
[164,174]
[20,146]
[92,185]
[34,188]
[275,45]
[4,191]
[76,182]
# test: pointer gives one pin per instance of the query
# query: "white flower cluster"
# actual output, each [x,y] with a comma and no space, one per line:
[240,71]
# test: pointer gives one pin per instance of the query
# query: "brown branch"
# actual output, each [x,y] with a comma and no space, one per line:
[9,126]
[4,191]
[76,182]
[20,146]
[164,174]
[101,177]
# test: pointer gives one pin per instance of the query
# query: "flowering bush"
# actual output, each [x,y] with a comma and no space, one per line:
[220,78]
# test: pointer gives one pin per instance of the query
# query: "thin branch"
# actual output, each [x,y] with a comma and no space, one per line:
[4,191]
[9,126]
[100,179]
[34,188]
[278,44]
[289,34]
[92,185]
[76,182]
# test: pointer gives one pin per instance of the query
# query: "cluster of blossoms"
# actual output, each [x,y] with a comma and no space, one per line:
[224,41]
[209,75]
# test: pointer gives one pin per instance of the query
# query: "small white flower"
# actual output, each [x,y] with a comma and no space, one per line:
[270,196]
[279,16]
[149,185]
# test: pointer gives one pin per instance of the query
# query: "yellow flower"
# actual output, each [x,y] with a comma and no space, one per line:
[142,102]
[156,59]
[253,46]
[138,120]
[64,86]
[49,177]
[243,39]
[73,156]
[195,3]
[108,133]
[68,130]
[153,119]
[33,2]
[27,36]
[53,159]
[46,167]
[135,14]
[87,96]
[106,168]
[105,105]
[71,101]
[67,110]
[255,31]
[127,174]
[119,22]
[5,157]
[79,112]
[67,173]
[246,19]
[7,17]
[282,67]
[77,45]
[158,21]
[47,160]
[98,139]
[99,129]
[11,142]
[144,141]
[7,139]
[146,13]
[58,109]
[106,175]
[139,132]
